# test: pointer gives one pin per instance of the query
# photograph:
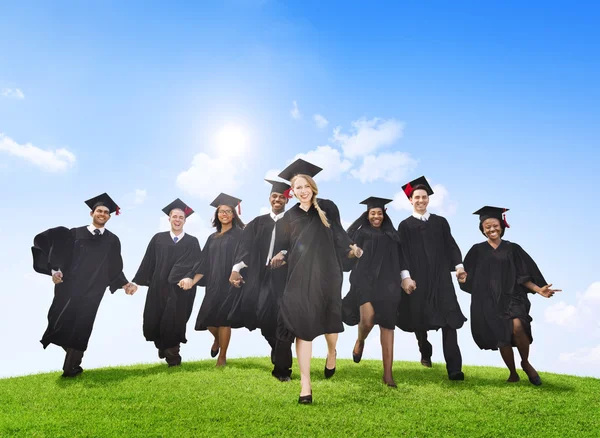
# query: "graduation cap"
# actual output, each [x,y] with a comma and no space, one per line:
[225,199]
[375,202]
[488,212]
[280,187]
[103,200]
[179,204]
[299,167]
[420,181]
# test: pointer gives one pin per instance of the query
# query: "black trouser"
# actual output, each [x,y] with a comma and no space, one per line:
[73,360]
[281,355]
[450,345]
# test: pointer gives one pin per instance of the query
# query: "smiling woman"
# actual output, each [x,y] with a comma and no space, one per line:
[231,141]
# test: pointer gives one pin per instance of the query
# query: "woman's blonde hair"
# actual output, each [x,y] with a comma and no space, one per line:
[313,186]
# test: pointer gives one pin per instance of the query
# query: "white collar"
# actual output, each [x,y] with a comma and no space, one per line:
[421,216]
[276,217]
[173,236]
[91,229]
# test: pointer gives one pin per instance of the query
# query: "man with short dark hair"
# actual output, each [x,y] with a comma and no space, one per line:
[83,262]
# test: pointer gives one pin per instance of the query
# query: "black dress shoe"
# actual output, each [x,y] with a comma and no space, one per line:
[426,362]
[329,373]
[213,353]
[356,357]
[305,399]
[537,381]
[73,373]
[283,378]
[459,375]
[161,354]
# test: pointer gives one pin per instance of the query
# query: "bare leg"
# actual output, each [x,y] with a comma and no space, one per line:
[522,341]
[331,339]
[215,332]
[387,350]
[509,359]
[224,337]
[367,316]
[304,354]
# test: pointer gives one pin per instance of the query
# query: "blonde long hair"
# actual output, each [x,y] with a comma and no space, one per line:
[313,186]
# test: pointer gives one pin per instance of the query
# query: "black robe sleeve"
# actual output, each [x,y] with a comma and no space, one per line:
[350,263]
[244,248]
[52,249]
[470,265]
[340,237]
[185,263]
[143,277]
[115,270]
[404,247]
[527,269]
[452,250]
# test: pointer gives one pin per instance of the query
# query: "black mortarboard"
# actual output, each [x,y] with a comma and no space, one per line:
[103,200]
[488,212]
[278,187]
[299,167]
[178,203]
[225,199]
[420,181]
[375,202]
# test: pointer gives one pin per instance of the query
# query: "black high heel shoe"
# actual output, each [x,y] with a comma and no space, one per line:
[356,357]
[305,399]
[329,373]
[213,353]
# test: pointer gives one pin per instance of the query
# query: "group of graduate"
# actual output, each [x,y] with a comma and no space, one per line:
[283,272]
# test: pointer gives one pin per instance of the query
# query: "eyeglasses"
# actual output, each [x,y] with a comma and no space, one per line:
[226,212]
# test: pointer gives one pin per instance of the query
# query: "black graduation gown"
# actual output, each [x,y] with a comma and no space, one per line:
[375,278]
[311,304]
[215,264]
[256,303]
[430,254]
[495,280]
[168,307]
[89,265]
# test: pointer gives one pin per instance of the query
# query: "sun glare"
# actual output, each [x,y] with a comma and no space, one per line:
[231,141]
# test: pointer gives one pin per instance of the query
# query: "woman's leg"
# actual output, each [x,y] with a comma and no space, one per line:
[367,316]
[522,342]
[224,336]
[331,339]
[387,352]
[215,332]
[304,354]
[509,359]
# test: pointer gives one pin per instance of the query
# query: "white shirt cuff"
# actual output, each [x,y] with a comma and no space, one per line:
[54,272]
[459,266]
[239,266]
[404,274]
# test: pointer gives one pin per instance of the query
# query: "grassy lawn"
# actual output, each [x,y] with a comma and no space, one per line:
[243,399]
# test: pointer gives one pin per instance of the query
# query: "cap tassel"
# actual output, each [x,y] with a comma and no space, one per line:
[288,193]
[504,219]
[187,211]
[239,208]
[118,211]
[408,190]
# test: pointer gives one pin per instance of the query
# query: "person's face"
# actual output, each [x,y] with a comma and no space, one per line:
[100,216]
[225,214]
[492,228]
[278,201]
[302,190]
[177,220]
[376,217]
[420,201]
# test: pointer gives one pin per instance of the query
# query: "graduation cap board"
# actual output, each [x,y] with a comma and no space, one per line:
[420,181]
[225,199]
[488,212]
[299,167]
[103,200]
[375,202]
[278,187]
[179,204]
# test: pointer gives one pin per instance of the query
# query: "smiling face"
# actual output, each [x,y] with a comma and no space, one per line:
[177,220]
[278,202]
[492,228]
[376,217]
[420,201]
[225,214]
[303,190]
[100,216]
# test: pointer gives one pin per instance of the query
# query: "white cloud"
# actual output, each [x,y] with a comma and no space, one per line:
[58,160]
[208,176]
[140,196]
[320,121]
[272,174]
[587,356]
[582,315]
[295,112]
[439,202]
[329,159]
[391,167]
[11,93]
[367,136]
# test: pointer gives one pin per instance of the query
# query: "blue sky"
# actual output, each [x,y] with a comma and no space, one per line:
[496,105]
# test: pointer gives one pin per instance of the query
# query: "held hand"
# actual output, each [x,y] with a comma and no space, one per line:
[355,251]
[409,285]
[130,288]
[278,261]
[461,276]
[547,292]
[57,277]
[236,279]
[186,283]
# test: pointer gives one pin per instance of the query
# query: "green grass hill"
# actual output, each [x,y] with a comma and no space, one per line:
[243,400]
